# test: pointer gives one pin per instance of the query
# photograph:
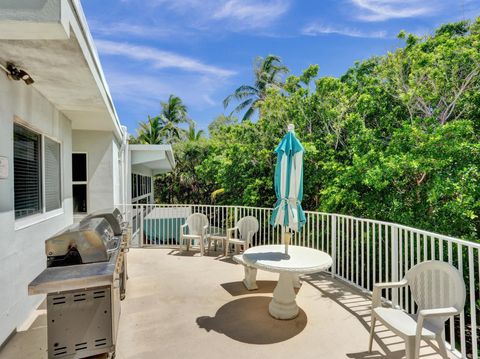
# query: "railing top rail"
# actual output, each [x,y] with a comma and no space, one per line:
[401,226]
[462,242]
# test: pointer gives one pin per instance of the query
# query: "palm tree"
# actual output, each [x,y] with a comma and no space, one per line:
[267,74]
[191,134]
[151,131]
[174,113]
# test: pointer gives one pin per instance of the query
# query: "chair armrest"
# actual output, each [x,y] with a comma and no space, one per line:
[230,231]
[439,312]
[182,228]
[399,284]
[432,313]
[377,290]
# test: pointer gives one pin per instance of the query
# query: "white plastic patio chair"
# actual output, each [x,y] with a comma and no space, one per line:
[439,291]
[195,228]
[242,234]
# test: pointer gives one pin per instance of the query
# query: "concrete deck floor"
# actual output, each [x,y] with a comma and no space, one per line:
[187,306]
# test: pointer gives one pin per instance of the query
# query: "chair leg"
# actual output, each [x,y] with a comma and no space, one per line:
[372,332]
[410,348]
[440,338]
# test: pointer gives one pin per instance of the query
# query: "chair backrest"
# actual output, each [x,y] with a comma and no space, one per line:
[436,284]
[247,227]
[196,222]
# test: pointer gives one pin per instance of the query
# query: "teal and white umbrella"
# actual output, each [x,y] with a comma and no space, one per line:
[288,210]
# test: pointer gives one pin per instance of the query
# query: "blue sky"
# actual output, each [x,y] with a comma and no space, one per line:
[201,50]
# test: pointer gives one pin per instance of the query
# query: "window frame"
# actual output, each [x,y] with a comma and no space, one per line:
[27,221]
[140,184]
[44,204]
[82,182]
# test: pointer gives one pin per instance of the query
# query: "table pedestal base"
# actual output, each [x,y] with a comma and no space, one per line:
[250,280]
[283,305]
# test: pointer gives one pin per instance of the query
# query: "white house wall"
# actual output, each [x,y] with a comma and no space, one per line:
[22,254]
[103,170]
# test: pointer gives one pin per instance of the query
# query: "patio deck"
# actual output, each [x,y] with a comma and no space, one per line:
[187,306]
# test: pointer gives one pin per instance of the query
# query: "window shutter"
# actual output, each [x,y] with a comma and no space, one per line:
[27,171]
[53,196]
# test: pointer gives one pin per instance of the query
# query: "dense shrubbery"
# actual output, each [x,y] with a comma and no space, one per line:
[396,138]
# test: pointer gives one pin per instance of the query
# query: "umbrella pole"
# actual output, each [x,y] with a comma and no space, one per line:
[286,240]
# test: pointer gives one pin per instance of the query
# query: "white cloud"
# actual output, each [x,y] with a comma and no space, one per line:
[234,14]
[319,29]
[381,10]
[142,76]
[159,59]
[254,14]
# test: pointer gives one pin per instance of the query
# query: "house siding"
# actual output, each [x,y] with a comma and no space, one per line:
[22,254]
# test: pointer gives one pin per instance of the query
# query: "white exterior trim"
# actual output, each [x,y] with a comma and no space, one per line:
[34,219]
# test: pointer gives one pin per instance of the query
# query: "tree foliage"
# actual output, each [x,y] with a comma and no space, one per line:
[395,138]
[165,128]
[267,74]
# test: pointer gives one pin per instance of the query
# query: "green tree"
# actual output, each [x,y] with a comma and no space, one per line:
[192,134]
[220,121]
[150,132]
[396,138]
[173,114]
[267,74]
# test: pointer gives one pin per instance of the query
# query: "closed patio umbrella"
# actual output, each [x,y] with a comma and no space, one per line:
[288,210]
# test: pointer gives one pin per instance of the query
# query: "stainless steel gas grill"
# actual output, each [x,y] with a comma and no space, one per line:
[84,274]
[88,242]
[120,229]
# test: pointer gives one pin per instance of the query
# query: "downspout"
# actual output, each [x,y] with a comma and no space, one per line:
[123,162]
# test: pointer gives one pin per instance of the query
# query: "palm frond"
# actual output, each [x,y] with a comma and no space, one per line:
[248,114]
[240,107]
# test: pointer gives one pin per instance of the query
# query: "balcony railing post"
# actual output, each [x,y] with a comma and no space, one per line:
[235,216]
[394,262]
[333,238]
[141,241]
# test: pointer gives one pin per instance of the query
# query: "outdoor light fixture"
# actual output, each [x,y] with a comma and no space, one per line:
[14,73]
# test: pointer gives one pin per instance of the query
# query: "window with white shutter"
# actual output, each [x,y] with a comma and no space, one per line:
[34,154]
[27,171]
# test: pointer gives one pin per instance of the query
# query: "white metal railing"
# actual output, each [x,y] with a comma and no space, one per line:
[364,252]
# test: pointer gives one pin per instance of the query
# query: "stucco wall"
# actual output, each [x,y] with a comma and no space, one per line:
[103,169]
[22,255]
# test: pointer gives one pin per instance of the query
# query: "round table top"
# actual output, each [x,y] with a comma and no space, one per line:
[301,260]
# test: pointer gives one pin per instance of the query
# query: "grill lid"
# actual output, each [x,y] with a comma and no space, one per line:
[112,215]
[93,240]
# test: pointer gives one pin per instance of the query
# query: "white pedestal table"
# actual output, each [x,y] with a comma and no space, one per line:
[299,260]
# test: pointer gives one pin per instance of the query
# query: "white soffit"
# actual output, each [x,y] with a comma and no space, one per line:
[50,40]
[158,158]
